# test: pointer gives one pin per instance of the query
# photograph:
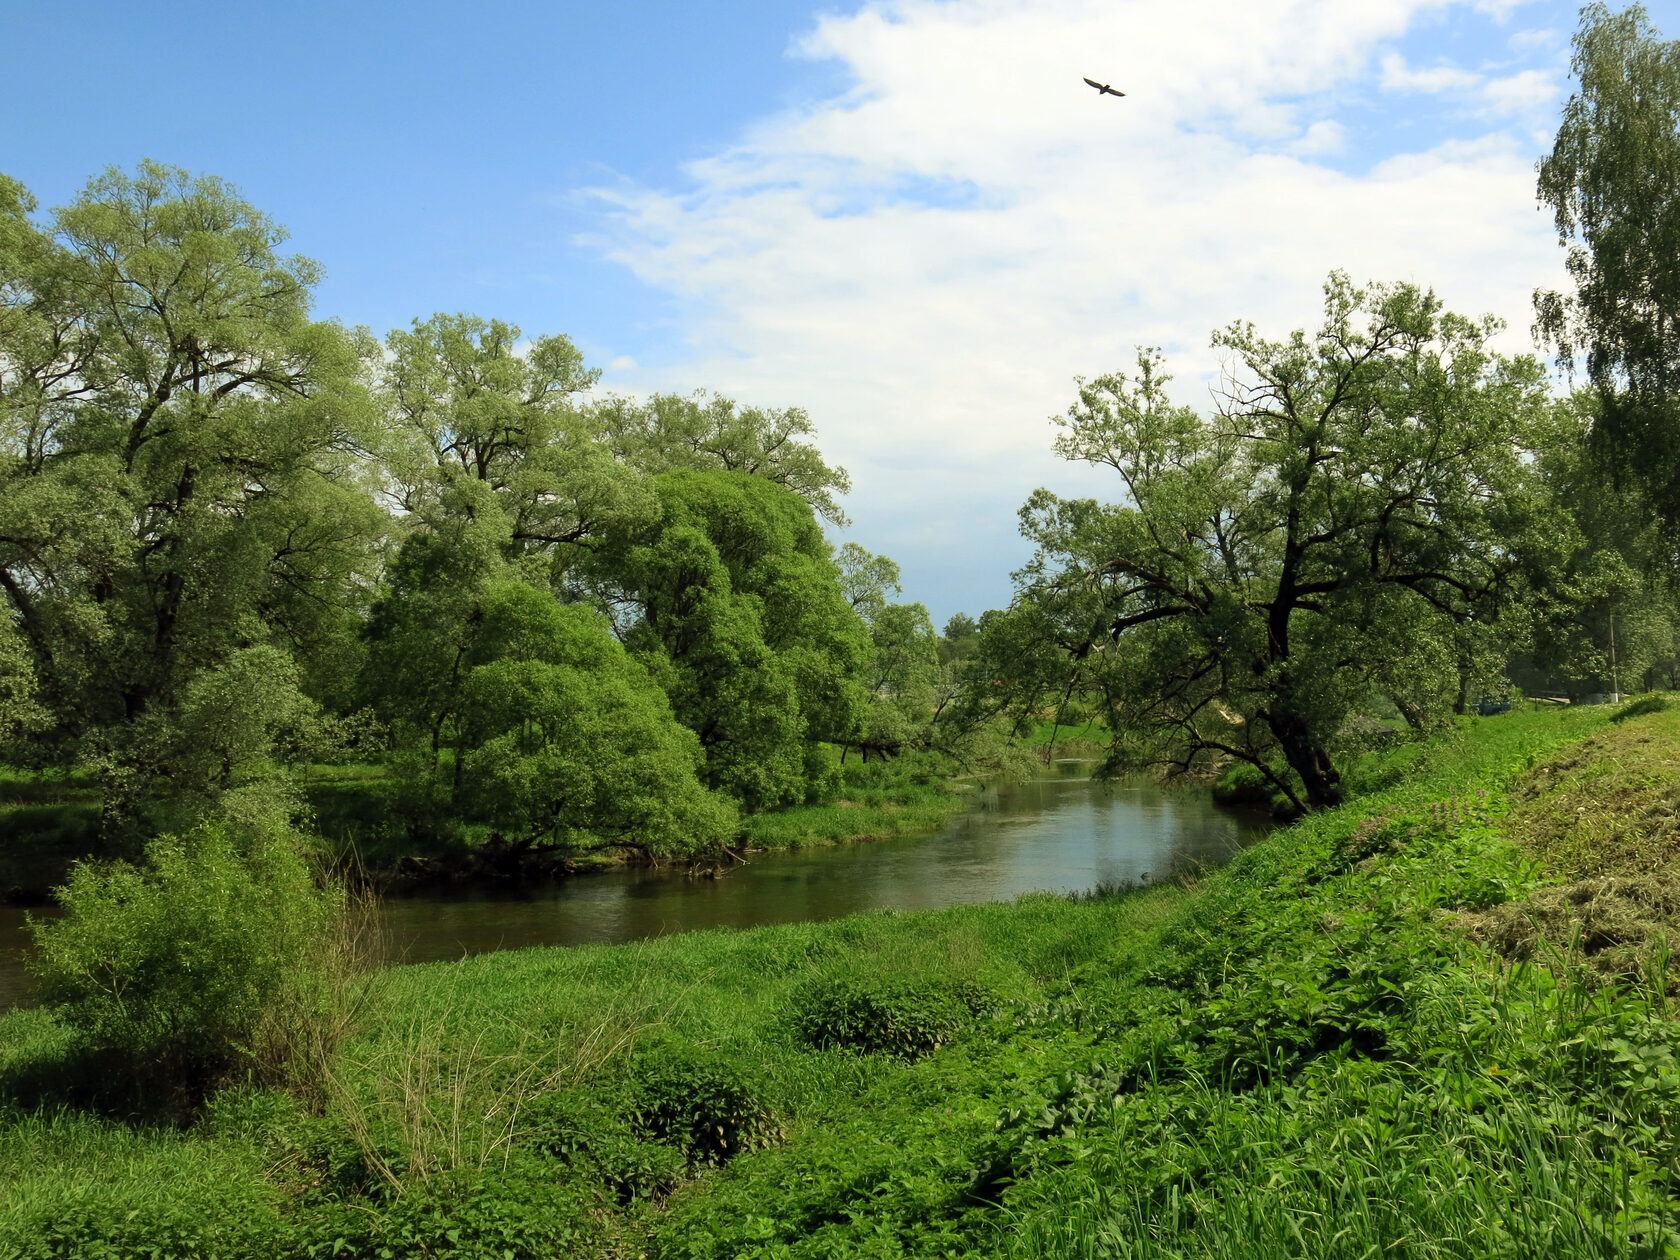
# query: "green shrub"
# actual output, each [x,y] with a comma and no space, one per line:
[586,1134]
[506,1212]
[1244,784]
[172,968]
[869,1017]
[699,1104]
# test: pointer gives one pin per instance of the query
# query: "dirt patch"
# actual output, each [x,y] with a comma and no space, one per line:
[1616,925]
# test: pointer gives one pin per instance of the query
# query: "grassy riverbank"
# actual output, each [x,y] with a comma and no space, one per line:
[1308,1053]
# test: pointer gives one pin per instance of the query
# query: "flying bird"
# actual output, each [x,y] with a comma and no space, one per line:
[1103,89]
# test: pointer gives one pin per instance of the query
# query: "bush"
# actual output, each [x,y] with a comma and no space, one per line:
[700,1105]
[905,1019]
[586,1134]
[174,968]
[1244,784]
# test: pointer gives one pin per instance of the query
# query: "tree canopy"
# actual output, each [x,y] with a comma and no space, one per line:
[1612,181]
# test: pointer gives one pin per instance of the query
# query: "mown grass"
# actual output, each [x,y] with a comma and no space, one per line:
[1303,1055]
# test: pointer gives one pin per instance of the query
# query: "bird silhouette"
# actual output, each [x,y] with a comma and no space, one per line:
[1103,89]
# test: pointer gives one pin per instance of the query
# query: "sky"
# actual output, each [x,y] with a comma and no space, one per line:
[908,217]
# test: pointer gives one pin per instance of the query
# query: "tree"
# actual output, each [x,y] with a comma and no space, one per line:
[568,743]
[733,601]
[959,638]
[706,432]
[465,402]
[1358,488]
[180,452]
[1612,180]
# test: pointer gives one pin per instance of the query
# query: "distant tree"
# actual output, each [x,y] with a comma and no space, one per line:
[1361,489]
[958,641]
[867,581]
[1613,182]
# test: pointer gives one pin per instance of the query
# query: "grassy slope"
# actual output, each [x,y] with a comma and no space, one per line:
[1300,1056]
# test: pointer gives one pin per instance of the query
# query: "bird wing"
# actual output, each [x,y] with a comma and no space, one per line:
[1095,84]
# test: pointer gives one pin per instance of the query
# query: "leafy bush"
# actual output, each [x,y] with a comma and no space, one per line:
[585,1133]
[700,1105]
[512,1212]
[173,967]
[1244,784]
[905,1019]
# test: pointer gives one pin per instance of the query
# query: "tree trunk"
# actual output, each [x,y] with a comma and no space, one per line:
[1318,775]
[1415,717]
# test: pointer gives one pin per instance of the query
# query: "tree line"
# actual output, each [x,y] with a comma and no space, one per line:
[235,538]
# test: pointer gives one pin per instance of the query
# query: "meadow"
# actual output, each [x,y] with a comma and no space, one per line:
[1382,1030]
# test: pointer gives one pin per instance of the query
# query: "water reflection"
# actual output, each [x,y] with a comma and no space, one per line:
[1059,833]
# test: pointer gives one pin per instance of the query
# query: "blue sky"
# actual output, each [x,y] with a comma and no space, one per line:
[908,217]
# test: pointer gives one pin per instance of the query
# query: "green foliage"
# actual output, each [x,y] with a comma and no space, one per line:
[1645,705]
[699,1104]
[1613,182]
[566,738]
[1268,569]
[600,1141]
[514,1212]
[171,968]
[907,1019]
[741,618]
[176,457]
[1301,1055]
[707,433]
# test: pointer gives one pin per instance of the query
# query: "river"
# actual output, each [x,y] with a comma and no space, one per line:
[1061,832]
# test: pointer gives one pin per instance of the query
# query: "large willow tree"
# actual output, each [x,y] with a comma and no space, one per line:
[1612,180]
[179,478]
[1358,511]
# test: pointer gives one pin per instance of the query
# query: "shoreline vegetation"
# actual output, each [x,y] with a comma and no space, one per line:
[1453,990]
[52,821]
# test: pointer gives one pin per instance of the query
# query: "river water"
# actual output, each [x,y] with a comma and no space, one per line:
[1061,832]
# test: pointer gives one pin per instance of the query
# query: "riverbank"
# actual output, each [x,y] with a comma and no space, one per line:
[52,821]
[1308,1052]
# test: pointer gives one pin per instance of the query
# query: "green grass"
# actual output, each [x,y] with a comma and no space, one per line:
[859,815]
[1302,1055]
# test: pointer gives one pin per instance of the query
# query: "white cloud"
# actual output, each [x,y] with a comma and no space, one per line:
[1538,38]
[926,261]
[623,363]
[1521,93]
[1323,138]
[1398,76]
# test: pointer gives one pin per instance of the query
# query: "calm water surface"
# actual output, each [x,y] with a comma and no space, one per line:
[1060,833]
